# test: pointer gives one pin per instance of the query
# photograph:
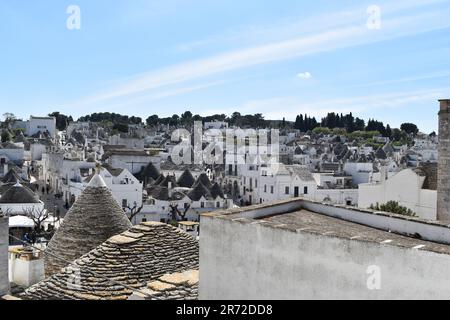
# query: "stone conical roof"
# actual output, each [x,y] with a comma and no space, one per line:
[203,178]
[198,191]
[142,254]
[19,194]
[388,148]
[11,177]
[381,154]
[216,191]
[159,180]
[148,174]
[94,218]
[186,179]
[167,180]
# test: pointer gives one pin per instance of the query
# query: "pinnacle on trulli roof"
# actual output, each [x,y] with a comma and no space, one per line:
[93,218]
[186,179]
[97,182]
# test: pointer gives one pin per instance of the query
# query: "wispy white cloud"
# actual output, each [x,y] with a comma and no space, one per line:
[289,107]
[304,75]
[142,99]
[301,26]
[333,38]
[434,75]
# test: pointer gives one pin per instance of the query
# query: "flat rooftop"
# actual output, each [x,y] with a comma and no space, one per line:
[312,222]
[306,216]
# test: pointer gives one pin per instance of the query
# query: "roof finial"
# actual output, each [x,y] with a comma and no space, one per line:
[97,182]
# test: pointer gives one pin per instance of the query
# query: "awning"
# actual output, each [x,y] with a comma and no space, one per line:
[20,222]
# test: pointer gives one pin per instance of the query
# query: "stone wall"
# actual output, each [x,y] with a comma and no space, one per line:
[443,190]
[4,280]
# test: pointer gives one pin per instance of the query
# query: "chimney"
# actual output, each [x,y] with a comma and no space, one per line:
[443,185]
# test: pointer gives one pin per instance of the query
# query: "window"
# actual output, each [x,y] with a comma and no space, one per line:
[256,183]
[124,203]
[265,188]
[305,190]
[202,204]
[144,220]
[186,205]
[271,189]
[218,204]
[287,190]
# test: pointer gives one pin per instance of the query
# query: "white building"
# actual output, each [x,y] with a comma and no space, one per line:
[83,127]
[125,188]
[215,125]
[42,125]
[333,180]
[11,152]
[61,173]
[131,159]
[128,142]
[38,148]
[262,184]
[411,188]
[360,171]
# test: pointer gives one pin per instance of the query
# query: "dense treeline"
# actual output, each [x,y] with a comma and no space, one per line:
[304,123]
[111,117]
[351,124]
[187,118]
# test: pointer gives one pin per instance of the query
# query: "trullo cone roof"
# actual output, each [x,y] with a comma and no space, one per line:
[93,218]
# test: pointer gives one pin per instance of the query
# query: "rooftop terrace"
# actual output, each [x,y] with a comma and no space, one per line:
[344,222]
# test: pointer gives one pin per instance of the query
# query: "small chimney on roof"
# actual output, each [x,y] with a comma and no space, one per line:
[443,184]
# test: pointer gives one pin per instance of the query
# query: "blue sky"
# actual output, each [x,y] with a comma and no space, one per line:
[280,58]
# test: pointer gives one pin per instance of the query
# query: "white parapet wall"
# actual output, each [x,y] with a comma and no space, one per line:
[243,258]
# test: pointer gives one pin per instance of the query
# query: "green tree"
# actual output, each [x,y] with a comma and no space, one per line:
[62,121]
[186,118]
[6,136]
[396,134]
[321,130]
[409,128]
[152,120]
[120,127]
[388,133]
[174,121]
[393,207]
